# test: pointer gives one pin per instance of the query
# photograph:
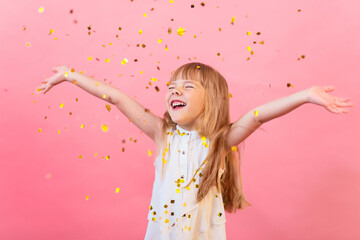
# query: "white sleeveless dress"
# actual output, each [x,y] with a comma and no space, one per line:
[173,211]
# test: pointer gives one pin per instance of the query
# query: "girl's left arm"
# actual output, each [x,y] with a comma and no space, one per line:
[316,94]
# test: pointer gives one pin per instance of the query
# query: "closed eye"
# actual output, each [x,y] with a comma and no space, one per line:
[185,87]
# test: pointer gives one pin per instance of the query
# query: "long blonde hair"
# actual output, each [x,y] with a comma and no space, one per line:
[214,124]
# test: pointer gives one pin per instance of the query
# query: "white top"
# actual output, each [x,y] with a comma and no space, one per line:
[173,212]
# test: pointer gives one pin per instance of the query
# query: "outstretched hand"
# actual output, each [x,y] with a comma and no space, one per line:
[319,95]
[60,76]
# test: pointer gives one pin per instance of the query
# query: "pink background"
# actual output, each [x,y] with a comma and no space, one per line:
[300,172]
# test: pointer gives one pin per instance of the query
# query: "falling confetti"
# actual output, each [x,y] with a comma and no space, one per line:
[61,105]
[104,128]
[232,20]
[248,33]
[89,58]
[28,44]
[107,60]
[124,61]
[87,197]
[160,40]
[233,148]
[256,113]
[117,190]
[180,31]
[149,153]
[51,31]
[140,31]
[41,10]
[108,107]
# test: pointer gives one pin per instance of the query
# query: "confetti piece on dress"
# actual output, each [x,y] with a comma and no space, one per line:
[166,47]
[232,20]
[117,190]
[261,42]
[41,10]
[104,128]
[180,31]
[124,61]
[104,96]
[230,95]
[299,10]
[289,85]
[258,33]
[256,113]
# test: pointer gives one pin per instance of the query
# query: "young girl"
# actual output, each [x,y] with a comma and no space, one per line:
[197,168]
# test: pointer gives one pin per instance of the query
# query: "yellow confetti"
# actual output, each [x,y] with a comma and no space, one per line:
[117,190]
[184,204]
[66,74]
[261,42]
[39,130]
[149,152]
[124,61]
[188,188]
[249,48]
[203,138]
[154,79]
[89,58]
[180,31]
[107,157]
[256,113]
[178,190]
[104,128]
[141,72]
[41,9]
[160,40]
[232,20]
[56,38]
[51,31]
[107,60]
[58,131]
[104,96]
[140,31]
[87,197]
[171,1]
[80,156]
[194,36]
[61,105]
[145,15]
[233,148]
[166,48]
[166,220]
[108,107]
[248,33]
[230,95]
[28,44]
[82,126]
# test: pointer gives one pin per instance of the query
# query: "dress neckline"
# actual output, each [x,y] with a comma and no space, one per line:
[185,131]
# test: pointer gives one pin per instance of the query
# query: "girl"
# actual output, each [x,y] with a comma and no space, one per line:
[197,168]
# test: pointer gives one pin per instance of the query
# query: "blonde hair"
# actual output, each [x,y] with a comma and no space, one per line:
[214,124]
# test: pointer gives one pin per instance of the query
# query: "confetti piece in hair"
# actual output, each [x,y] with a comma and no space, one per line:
[233,148]
[249,48]
[149,152]
[87,197]
[107,60]
[124,61]
[61,105]
[180,31]
[28,44]
[108,107]
[248,33]
[178,190]
[140,31]
[198,67]
[232,20]
[104,128]
[41,10]
[256,113]
[117,190]
[39,130]
[230,95]
[51,31]
[89,58]
[82,126]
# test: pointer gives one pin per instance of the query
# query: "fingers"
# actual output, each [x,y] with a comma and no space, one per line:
[329,88]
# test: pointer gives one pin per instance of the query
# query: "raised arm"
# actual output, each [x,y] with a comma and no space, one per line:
[246,125]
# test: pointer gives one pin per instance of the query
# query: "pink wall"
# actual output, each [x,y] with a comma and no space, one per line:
[300,171]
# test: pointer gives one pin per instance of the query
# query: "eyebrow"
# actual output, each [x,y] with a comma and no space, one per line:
[184,81]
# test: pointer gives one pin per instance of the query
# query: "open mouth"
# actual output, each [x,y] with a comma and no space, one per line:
[176,105]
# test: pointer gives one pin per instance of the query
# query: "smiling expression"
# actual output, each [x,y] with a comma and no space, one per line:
[192,94]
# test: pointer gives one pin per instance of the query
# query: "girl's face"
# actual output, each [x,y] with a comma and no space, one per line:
[193,95]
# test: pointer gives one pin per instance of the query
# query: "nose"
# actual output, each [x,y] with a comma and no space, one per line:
[176,91]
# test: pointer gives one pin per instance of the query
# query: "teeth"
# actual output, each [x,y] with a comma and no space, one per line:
[178,104]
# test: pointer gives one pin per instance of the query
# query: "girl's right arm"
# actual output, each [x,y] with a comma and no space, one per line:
[147,122]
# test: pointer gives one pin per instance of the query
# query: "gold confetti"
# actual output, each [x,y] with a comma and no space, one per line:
[82,126]
[41,10]
[124,61]
[58,131]
[180,31]
[87,197]
[249,48]
[61,105]
[51,31]
[166,47]
[140,31]
[28,44]
[89,58]
[248,33]
[232,20]
[160,40]
[234,148]
[169,31]
[39,130]
[261,42]
[145,15]
[166,220]
[108,107]
[178,190]
[66,74]
[203,4]
[104,128]
[230,95]
[171,1]
[149,152]
[104,96]
[107,60]
[80,156]
[117,190]
[154,79]
[107,157]
[256,113]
